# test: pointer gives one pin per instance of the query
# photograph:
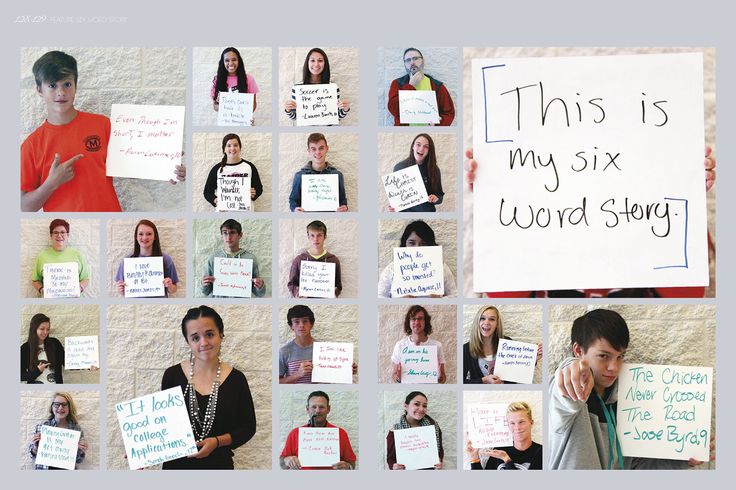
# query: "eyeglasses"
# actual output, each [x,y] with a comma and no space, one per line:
[59,233]
[413,58]
[60,404]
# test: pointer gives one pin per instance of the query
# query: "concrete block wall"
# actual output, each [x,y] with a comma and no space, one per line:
[395,147]
[440,63]
[120,236]
[343,413]
[117,76]
[342,240]
[35,408]
[257,62]
[66,321]
[84,235]
[144,340]
[332,323]
[391,331]
[207,153]
[389,236]
[256,240]
[521,322]
[441,406]
[709,98]
[343,155]
[343,72]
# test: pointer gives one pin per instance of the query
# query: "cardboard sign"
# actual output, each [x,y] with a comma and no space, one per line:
[319,446]
[156,428]
[515,361]
[418,107]
[233,193]
[317,279]
[233,277]
[405,188]
[316,104]
[235,109]
[418,271]
[61,280]
[588,180]
[332,362]
[487,426]
[665,411]
[144,277]
[320,192]
[416,447]
[419,364]
[58,447]
[146,141]
[81,352]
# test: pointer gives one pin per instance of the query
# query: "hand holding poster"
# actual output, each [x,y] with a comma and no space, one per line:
[319,446]
[61,280]
[145,141]
[487,425]
[405,188]
[144,277]
[58,447]
[320,192]
[316,279]
[515,361]
[416,447]
[155,428]
[665,411]
[418,271]
[419,364]
[233,193]
[81,352]
[235,109]
[332,362]
[233,277]
[418,107]
[316,104]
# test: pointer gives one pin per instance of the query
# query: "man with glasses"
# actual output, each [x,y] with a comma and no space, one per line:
[416,79]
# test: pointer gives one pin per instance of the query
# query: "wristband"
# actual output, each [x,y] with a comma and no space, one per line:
[218,442]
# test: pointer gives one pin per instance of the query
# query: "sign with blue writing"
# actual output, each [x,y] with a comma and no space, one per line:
[317,279]
[144,277]
[320,192]
[515,361]
[418,107]
[419,364]
[418,271]
[58,447]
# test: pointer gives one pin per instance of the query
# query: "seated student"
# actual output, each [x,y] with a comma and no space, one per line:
[147,244]
[316,234]
[50,177]
[415,415]
[584,395]
[317,165]
[231,232]
[41,356]
[232,165]
[231,77]
[423,155]
[418,327]
[59,253]
[316,70]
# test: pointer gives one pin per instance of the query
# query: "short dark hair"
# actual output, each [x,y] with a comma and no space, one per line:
[318,393]
[54,66]
[231,224]
[317,225]
[413,395]
[422,229]
[202,312]
[413,311]
[58,222]
[299,311]
[411,49]
[600,324]
[316,138]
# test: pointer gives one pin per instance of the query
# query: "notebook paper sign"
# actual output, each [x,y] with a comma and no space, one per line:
[233,193]
[58,447]
[61,280]
[515,361]
[144,277]
[316,104]
[145,141]
[81,352]
[418,271]
[590,173]
[319,446]
[235,109]
[418,107]
[419,364]
[320,192]
[233,277]
[487,425]
[665,411]
[405,188]
[316,279]
[332,362]
[416,447]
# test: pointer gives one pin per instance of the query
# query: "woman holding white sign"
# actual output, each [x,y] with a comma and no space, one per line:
[415,415]
[231,77]
[217,396]
[41,356]
[146,243]
[62,414]
[422,154]
[316,70]
[418,327]
[232,165]
[59,253]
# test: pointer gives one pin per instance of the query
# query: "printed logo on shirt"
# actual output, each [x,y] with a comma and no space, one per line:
[93,143]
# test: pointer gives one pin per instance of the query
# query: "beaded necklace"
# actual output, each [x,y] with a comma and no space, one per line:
[200,427]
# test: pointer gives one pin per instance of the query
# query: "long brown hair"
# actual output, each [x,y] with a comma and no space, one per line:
[156,249]
[433,171]
[36,322]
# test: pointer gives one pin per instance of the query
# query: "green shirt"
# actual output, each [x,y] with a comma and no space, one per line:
[51,256]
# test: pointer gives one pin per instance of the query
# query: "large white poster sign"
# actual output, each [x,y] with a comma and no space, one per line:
[233,193]
[316,105]
[235,109]
[590,173]
[320,192]
[145,141]
[144,277]
[58,447]
[418,271]
[487,425]
[515,361]
[81,352]
[61,280]
[319,446]
[155,428]
[405,188]
[233,277]
[419,364]
[665,411]
[332,362]
[317,279]
[416,447]
[418,107]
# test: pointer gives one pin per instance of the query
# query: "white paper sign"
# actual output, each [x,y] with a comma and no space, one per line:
[665,411]
[144,277]
[590,173]
[155,428]
[61,280]
[418,271]
[235,109]
[146,141]
[405,188]
[233,193]
[416,447]
[418,107]
[515,361]
[233,277]
[316,279]
[320,192]
[81,352]
[319,446]
[419,364]
[487,426]
[332,362]
[58,447]
[316,104]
